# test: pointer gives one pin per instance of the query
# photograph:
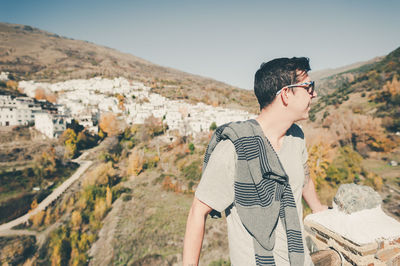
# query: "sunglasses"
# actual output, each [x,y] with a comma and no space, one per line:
[309,86]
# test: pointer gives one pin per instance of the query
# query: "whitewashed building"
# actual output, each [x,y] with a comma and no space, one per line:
[17,111]
[88,122]
[50,125]
[4,76]
[99,95]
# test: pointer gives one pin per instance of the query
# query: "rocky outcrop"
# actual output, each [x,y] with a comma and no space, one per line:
[352,198]
[357,228]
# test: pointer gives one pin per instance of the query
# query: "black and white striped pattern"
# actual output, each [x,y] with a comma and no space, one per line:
[262,190]
[265,260]
[295,242]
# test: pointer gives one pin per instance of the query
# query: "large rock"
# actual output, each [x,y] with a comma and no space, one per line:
[352,198]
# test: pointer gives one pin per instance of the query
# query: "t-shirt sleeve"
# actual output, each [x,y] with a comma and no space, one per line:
[216,185]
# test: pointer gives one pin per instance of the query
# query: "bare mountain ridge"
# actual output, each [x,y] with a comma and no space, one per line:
[31,53]
[321,74]
[324,77]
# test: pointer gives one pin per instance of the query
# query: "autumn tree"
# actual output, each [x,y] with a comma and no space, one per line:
[51,97]
[34,204]
[108,197]
[101,134]
[121,101]
[40,94]
[70,140]
[100,175]
[48,163]
[37,219]
[318,162]
[136,160]
[110,124]
[12,84]
[393,87]
[76,219]
[100,208]
[373,180]
[154,126]
[48,219]
[60,246]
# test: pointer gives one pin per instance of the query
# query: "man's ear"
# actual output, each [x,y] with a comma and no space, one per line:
[284,96]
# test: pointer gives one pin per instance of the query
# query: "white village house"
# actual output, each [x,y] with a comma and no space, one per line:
[50,125]
[17,111]
[99,95]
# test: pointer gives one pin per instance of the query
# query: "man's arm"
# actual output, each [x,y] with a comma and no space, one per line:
[309,193]
[195,232]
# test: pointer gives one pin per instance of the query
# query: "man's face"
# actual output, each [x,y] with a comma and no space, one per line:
[299,100]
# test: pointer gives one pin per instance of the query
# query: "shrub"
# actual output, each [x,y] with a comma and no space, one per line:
[101,175]
[345,166]
[126,197]
[136,161]
[37,219]
[191,147]
[76,219]
[118,190]
[193,171]
[220,262]
[373,180]
[100,209]
[213,126]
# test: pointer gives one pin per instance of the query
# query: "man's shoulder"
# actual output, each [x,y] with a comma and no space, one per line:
[295,131]
[240,125]
[224,146]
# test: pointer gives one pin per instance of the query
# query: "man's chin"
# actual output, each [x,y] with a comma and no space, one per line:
[305,117]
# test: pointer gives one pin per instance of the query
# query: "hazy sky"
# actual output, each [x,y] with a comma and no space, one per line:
[224,40]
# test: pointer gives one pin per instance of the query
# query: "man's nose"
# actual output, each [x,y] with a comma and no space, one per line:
[314,94]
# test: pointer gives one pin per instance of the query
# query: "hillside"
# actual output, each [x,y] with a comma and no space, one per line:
[30,53]
[352,133]
[130,207]
[324,77]
[376,83]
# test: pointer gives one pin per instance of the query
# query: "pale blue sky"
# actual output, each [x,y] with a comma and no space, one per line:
[224,40]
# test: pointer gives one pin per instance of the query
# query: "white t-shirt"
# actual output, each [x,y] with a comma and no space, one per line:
[216,189]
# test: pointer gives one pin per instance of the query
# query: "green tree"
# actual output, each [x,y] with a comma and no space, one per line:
[213,126]
[191,147]
[345,167]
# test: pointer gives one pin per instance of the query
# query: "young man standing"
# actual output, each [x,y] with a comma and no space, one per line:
[256,172]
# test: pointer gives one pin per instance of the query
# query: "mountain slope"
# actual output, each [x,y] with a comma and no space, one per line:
[324,77]
[370,80]
[30,53]
[353,130]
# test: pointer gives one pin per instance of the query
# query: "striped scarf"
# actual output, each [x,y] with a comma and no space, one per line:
[262,191]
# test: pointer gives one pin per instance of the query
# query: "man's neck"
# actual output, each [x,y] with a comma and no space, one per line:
[274,125]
